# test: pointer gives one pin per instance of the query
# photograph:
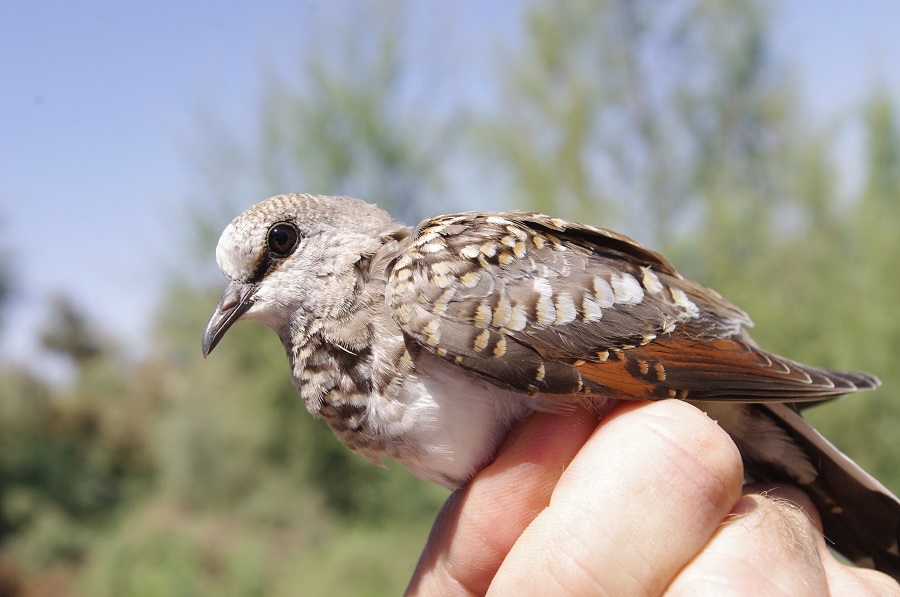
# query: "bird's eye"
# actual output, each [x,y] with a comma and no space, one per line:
[282,239]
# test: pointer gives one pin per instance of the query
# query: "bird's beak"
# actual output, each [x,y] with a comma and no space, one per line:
[237,298]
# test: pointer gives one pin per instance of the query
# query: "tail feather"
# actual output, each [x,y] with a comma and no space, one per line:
[728,368]
[860,516]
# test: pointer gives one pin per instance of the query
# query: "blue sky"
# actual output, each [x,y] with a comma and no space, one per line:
[97,97]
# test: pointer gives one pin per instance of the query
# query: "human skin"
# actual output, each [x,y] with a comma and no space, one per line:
[650,501]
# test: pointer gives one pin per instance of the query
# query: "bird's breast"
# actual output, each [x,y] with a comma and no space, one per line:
[443,424]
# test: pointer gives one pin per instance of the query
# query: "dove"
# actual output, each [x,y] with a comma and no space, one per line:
[426,345]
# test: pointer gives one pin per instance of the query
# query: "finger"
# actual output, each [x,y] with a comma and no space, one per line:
[644,494]
[479,524]
[772,544]
[842,579]
[767,546]
[847,580]
[793,495]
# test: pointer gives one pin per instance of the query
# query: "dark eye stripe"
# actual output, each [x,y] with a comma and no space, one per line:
[282,240]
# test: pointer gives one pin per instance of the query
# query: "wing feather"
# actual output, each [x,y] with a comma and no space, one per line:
[548,306]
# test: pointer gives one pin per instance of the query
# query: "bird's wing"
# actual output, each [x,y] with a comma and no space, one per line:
[560,309]
[548,306]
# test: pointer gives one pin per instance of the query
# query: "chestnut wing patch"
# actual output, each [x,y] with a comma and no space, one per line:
[548,306]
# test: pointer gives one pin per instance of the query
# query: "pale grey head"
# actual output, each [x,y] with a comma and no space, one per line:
[287,261]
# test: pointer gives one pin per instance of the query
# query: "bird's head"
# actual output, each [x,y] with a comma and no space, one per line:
[293,260]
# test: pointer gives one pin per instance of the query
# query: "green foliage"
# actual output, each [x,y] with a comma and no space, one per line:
[363,562]
[68,333]
[355,137]
[166,551]
[656,117]
[859,290]
[67,464]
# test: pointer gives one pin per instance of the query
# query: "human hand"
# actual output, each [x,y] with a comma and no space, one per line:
[648,502]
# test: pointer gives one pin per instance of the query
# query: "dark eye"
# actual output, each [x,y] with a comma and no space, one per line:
[282,239]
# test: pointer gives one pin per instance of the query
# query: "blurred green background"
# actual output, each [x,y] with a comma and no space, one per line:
[678,123]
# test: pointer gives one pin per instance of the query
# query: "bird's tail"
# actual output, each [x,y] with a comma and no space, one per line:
[860,516]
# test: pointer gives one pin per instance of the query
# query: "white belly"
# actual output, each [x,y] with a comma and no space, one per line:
[456,419]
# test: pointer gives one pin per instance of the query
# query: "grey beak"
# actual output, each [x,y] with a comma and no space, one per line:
[237,298]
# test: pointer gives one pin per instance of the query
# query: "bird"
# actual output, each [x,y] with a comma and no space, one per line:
[426,345]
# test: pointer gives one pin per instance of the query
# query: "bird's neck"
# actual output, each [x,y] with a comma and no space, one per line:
[340,363]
